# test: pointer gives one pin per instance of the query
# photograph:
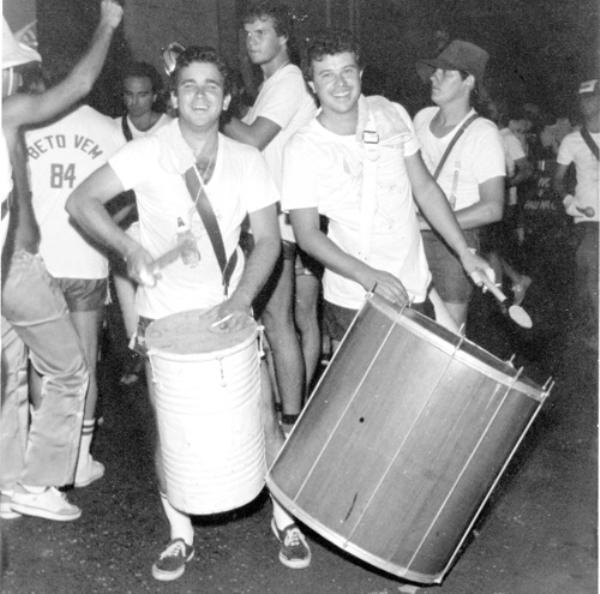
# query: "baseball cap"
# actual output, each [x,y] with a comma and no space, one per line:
[589,87]
[15,53]
[457,55]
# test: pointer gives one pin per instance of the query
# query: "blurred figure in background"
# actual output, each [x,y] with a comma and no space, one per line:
[582,148]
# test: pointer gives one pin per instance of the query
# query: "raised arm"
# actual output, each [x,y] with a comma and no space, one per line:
[21,109]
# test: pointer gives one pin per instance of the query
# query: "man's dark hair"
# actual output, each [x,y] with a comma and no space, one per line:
[279,13]
[143,70]
[206,54]
[329,42]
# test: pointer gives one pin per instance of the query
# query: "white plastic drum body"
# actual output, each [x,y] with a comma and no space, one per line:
[207,392]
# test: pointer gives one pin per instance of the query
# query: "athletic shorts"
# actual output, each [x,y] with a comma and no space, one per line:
[448,275]
[337,319]
[84,294]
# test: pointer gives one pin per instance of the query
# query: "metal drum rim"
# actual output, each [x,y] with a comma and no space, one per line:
[348,546]
[408,318]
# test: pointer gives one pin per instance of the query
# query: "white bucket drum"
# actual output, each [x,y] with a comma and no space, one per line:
[207,384]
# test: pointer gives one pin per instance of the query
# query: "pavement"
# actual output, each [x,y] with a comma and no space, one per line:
[536,535]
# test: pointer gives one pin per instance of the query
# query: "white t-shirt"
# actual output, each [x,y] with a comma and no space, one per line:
[285,100]
[513,151]
[6,189]
[60,157]
[573,149]
[477,156]
[324,170]
[153,167]
[163,120]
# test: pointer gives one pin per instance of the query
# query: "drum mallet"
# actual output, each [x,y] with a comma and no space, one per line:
[515,312]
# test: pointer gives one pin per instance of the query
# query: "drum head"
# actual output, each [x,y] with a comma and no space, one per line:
[191,332]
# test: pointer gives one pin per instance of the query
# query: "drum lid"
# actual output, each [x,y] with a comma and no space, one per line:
[192,332]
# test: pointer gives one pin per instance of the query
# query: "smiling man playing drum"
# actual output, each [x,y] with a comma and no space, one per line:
[193,183]
[358,163]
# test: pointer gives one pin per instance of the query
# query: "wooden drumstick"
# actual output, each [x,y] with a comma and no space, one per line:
[516,313]
[222,320]
[159,263]
[168,257]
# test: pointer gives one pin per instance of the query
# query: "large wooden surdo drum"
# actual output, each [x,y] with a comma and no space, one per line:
[402,441]
[207,385]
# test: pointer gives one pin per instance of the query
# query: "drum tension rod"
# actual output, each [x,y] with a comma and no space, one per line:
[547,387]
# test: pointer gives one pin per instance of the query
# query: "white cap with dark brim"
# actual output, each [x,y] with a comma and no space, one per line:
[15,53]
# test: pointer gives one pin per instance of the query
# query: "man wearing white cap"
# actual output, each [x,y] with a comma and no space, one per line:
[582,148]
[39,455]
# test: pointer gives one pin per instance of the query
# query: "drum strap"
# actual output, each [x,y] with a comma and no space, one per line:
[125,128]
[590,142]
[193,181]
[454,140]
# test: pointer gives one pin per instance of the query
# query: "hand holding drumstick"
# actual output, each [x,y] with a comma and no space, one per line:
[230,315]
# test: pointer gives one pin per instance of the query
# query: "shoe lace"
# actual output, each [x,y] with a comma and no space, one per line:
[293,537]
[174,549]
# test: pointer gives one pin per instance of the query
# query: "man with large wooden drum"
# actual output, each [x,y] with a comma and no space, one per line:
[358,163]
[194,187]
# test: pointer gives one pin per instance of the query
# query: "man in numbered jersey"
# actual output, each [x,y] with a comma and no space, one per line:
[232,183]
[60,156]
[358,163]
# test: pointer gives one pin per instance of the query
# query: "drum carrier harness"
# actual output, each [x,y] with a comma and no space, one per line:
[195,186]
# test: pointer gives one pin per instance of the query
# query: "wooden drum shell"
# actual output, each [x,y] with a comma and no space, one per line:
[402,442]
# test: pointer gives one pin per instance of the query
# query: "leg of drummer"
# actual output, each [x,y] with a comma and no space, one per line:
[294,551]
[171,562]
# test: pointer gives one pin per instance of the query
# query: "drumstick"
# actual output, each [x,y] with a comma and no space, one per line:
[222,320]
[516,313]
[168,257]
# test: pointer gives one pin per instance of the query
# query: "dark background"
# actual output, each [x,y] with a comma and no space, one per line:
[540,49]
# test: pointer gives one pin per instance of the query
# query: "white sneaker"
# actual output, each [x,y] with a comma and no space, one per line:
[88,471]
[51,504]
[6,512]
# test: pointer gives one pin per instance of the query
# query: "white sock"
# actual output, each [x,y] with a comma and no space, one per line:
[87,434]
[180,523]
[281,517]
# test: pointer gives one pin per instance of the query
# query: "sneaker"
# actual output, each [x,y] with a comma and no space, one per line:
[6,512]
[171,562]
[87,472]
[293,551]
[51,504]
